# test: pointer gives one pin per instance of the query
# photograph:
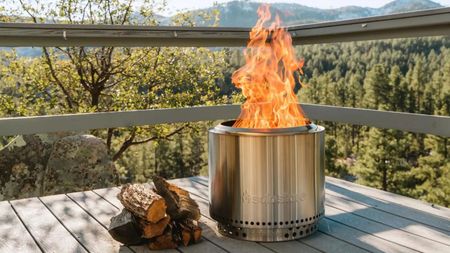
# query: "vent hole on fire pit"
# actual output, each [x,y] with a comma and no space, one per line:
[269,223]
[246,223]
[301,233]
[263,223]
[244,235]
[257,223]
[252,223]
[286,235]
[275,223]
[241,222]
[301,220]
[281,223]
[296,221]
[294,234]
[292,222]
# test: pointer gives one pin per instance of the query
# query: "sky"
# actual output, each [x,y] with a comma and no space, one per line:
[175,5]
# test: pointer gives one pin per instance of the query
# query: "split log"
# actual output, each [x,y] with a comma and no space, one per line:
[197,234]
[191,232]
[180,205]
[150,230]
[142,201]
[186,235]
[124,228]
[164,241]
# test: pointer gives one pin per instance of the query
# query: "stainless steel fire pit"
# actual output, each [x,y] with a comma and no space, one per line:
[266,184]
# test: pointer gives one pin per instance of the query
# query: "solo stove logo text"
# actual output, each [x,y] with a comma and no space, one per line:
[284,198]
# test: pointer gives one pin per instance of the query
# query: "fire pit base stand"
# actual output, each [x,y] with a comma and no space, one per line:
[293,232]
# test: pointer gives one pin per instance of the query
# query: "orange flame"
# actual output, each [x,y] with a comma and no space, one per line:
[267,78]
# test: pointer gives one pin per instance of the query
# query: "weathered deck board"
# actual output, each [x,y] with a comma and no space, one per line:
[48,232]
[407,212]
[13,235]
[327,243]
[358,219]
[102,211]
[88,231]
[393,198]
[418,233]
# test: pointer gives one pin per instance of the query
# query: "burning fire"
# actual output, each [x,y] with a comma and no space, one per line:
[267,78]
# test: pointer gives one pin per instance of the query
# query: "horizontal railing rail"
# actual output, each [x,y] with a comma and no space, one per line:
[411,24]
[418,123]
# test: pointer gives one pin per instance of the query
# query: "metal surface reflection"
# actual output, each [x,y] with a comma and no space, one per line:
[266,184]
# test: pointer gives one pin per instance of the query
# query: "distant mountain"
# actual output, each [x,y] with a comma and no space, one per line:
[408,5]
[243,13]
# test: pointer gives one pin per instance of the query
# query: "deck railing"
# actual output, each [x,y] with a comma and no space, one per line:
[413,24]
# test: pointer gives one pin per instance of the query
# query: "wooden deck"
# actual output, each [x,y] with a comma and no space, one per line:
[358,219]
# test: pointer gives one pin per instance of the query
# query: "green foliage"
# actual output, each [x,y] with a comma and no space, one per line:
[101,79]
[180,156]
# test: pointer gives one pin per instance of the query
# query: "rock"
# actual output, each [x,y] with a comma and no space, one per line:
[42,164]
[77,163]
[22,165]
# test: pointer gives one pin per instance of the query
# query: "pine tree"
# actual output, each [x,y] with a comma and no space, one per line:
[432,174]
[377,88]
[399,90]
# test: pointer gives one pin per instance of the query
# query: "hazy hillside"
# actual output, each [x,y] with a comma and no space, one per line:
[243,13]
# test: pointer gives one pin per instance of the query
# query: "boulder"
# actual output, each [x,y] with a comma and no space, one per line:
[77,163]
[22,165]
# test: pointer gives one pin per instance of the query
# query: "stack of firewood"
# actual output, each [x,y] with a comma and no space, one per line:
[162,215]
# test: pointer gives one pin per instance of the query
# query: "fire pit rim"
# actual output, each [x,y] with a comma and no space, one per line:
[226,127]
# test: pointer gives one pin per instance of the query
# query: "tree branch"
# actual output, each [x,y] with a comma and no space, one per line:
[127,11]
[125,145]
[28,11]
[109,137]
[130,141]
[69,99]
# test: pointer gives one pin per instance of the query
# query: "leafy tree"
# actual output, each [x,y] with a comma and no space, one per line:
[99,79]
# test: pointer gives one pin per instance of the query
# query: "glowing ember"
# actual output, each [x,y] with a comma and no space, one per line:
[267,78]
